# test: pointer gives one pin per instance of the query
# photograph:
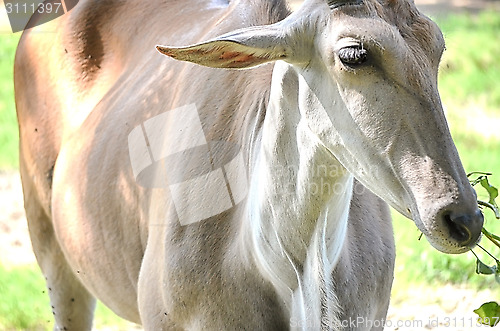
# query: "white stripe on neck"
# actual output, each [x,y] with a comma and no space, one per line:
[298,215]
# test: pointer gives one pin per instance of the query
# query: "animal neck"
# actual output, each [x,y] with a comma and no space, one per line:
[299,204]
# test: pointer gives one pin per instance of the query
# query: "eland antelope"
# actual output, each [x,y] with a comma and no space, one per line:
[185,194]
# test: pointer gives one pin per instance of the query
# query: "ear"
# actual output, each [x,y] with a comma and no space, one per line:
[243,48]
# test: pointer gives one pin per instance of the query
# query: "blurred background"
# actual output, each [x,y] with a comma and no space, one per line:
[439,290]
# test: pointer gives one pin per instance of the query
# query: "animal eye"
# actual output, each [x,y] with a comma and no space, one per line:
[352,55]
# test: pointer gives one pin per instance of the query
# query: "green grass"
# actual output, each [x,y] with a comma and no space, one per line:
[8,126]
[470,68]
[468,78]
[24,303]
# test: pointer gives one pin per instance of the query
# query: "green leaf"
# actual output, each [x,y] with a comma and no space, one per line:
[489,313]
[497,272]
[483,269]
[478,179]
[492,191]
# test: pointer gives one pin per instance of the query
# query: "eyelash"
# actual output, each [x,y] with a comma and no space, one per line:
[352,55]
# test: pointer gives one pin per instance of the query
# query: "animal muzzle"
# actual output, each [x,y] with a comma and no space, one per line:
[455,231]
[464,228]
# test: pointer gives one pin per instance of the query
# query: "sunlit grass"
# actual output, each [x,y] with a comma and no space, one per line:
[470,68]
[24,303]
[8,126]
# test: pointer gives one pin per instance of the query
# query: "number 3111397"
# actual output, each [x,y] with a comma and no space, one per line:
[24,8]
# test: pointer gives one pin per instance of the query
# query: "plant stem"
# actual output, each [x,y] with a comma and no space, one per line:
[491,237]
[491,255]
[489,205]
[479,173]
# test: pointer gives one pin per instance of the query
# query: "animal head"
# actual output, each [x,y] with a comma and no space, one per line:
[368,89]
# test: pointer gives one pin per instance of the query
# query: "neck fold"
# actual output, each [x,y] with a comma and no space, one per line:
[299,206]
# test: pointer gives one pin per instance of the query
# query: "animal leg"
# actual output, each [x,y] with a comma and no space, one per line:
[72,305]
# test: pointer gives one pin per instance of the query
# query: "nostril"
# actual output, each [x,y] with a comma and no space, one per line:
[465,229]
[458,230]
